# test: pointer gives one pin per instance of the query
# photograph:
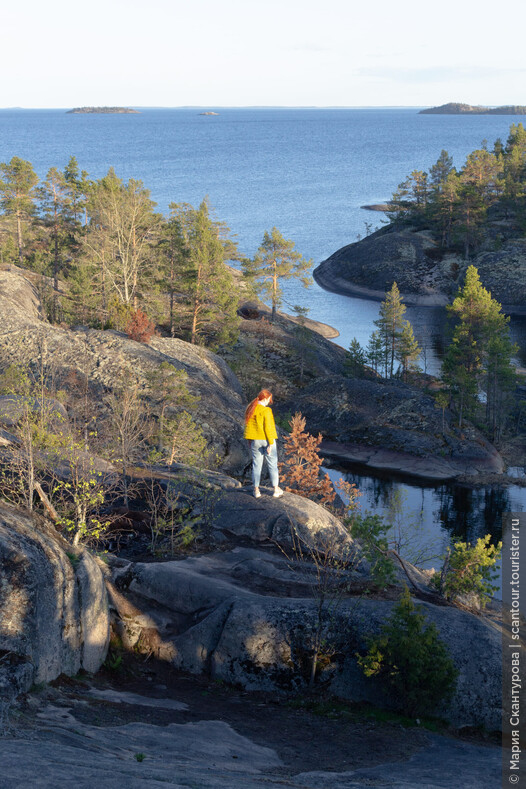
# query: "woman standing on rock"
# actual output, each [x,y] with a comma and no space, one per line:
[260,430]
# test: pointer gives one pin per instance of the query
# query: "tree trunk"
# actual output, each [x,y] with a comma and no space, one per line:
[274,294]
[19,237]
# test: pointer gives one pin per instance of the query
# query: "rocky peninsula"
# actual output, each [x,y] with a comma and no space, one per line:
[426,275]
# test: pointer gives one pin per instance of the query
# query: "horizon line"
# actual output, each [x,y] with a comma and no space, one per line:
[236,106]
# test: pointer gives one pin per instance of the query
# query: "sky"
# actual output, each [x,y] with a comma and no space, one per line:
[219,53]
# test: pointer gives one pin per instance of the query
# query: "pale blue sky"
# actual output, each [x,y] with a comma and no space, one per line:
[213,53]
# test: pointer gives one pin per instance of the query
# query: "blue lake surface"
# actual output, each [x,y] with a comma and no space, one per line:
[307,171]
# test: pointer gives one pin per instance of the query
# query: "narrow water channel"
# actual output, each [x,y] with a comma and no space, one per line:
[432,517]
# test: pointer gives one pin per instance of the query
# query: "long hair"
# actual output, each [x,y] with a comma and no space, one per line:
[251,407]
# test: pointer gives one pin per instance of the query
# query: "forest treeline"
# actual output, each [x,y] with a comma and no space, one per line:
[485,198]
[111,258]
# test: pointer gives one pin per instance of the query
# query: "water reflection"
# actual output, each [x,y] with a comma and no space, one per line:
[445,512]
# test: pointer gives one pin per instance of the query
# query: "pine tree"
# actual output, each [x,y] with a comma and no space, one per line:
[355,360]
[206,282]
[78,185]
[441,171]
[500,378]
[57,214]
[480,351]
[168,392]
[374,352]
[408,349]
[275,260]
[300,470]
[390,324]
[18,194]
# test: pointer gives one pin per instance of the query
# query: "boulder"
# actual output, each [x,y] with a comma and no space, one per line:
[13,408]
[238,514]
[248,616]
[55,616]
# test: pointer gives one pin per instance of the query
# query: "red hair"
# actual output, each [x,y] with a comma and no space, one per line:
[251,407]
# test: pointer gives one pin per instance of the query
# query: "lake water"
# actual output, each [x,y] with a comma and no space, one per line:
[305,171]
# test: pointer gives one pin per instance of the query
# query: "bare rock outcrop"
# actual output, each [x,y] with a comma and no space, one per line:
[369,267]
[388,425]
[248,616]
[54,615]
[105,358]
[424,274]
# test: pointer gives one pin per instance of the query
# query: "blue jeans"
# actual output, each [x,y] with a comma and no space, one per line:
[258,450]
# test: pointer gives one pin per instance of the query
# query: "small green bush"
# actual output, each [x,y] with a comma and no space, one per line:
[412,659]
[370,530]
[469,569]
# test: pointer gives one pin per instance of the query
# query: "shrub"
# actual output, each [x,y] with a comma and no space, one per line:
[411,659]
[300,470]
[469,569]
[370,531]
[139,327]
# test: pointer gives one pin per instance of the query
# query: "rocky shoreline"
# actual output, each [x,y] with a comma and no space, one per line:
[426,276]
[329,278]
[430,470]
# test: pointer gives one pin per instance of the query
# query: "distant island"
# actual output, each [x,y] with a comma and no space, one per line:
[467,109]
[103,110]
[208,113]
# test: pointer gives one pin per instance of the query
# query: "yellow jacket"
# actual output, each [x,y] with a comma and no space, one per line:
[261,425]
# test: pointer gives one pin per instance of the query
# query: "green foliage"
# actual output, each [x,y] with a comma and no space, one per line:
[275,260]
[114,662]
[284,420]
[374,351]
[303,342]
[79,492]
[390,324]
[355,360]
[15,380]
[408,349]
[18,194]
[74,558]
[185,441]
[470,570]
[206,285]
[117,239]
[118,314]
[371,532]
[412,660]
[140,757]
[454,204]
[479,355]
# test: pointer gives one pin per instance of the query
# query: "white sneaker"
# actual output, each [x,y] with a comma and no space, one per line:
[257,494]
[277,493]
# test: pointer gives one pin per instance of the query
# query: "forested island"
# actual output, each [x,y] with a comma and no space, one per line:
[102,111]
[454,108]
